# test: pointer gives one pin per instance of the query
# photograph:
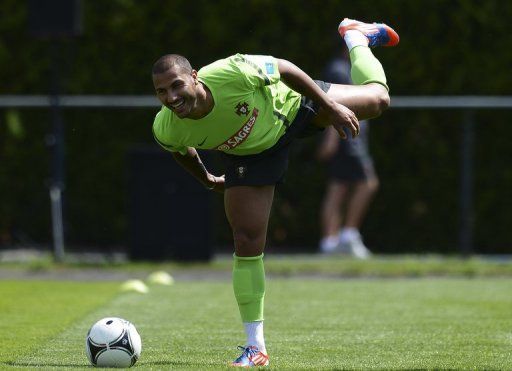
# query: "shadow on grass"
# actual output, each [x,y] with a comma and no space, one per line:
[32,364]
[178,363]
[69,365]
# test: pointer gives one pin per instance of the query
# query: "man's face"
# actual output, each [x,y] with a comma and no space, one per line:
[176,89]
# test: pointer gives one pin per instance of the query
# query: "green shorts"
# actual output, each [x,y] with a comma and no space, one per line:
[269,167]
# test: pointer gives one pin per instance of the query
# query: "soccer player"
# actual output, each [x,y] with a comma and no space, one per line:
[250,108]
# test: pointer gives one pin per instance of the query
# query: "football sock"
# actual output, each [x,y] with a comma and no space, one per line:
[249,286]
[254,332]
[365,67]
[355,38]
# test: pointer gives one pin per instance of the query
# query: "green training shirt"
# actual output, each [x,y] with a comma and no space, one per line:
[252,108]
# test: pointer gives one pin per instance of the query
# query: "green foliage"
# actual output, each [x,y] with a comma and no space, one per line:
[447,47]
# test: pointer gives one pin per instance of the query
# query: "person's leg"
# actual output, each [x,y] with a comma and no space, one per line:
[248,211]
[369,96]
[357,205]
[330,215]
[349,237]
[366,101]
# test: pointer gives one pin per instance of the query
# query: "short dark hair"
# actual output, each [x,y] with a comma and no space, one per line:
[168,61]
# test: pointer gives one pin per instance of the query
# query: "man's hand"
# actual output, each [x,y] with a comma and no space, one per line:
[215,183]
[191,162]
[340,117]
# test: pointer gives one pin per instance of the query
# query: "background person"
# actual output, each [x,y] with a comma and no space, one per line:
[352,180]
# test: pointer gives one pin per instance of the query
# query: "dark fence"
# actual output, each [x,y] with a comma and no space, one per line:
[101,211]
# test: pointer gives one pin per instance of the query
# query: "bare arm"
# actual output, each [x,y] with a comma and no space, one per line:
[340,116]
[192,163]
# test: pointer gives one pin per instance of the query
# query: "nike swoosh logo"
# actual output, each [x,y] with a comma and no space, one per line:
[200,144]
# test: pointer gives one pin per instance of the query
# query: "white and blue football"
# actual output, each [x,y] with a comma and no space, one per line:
[113,342]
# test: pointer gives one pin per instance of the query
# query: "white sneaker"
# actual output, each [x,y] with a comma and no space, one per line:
[329,244]
[378,34]
[356,248]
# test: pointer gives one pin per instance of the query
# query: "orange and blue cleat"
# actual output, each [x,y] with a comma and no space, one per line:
[251,357]
[378,34]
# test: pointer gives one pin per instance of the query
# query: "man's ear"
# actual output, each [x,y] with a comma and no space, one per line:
[194,76]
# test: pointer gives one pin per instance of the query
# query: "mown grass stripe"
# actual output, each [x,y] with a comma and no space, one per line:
[32,312]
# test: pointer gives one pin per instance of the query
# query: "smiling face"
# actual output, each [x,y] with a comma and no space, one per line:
[177,89]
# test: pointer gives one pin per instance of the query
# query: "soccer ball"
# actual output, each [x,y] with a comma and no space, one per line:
[113,342]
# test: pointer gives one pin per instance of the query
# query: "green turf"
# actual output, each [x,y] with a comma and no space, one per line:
[316,324]
[32,313]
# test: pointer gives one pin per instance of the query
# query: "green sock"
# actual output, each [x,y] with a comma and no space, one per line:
[365,67]
[249,286]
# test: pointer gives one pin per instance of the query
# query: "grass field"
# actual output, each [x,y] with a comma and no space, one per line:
[315,323]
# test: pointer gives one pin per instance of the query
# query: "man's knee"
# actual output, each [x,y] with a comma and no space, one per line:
[368,186]
[248,242]
[241,238]
[382,99]
[372,185]
[385,101]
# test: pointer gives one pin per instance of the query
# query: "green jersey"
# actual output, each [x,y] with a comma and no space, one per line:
[252,109]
